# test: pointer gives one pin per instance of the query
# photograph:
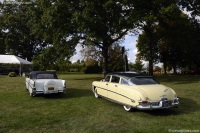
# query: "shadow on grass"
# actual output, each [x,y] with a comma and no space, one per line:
[70,93]
[186,106]
[76,93]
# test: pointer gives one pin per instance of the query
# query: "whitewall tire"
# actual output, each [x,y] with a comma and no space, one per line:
[32,95]
[128,108]
[95,94]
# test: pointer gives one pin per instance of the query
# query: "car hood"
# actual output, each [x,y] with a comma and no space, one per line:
[156,92]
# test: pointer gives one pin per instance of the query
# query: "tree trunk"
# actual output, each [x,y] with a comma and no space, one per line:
[149,31]
[164,63]
[174,68]
[105,59]
[126,61]
[150,66]
[151,55]
[165,67]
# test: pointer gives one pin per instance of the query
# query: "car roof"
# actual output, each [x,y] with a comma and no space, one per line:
[128,75]
[42,72]
[34,74]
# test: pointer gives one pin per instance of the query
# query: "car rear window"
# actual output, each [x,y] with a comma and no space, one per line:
[46,76]
[143,81]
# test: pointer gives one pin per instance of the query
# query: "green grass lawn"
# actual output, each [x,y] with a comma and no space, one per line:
[80,112]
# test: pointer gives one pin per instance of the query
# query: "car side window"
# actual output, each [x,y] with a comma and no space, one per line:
[115,79]
[107,79]
[124,82]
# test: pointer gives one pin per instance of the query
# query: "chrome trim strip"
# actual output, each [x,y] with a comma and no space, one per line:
[29,85]
[114,101]
[113,92]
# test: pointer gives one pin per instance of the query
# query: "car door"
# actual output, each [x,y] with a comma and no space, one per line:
[103,87]
[123,96]
[112,87]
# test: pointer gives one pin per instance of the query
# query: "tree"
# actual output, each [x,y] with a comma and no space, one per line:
[152,16]
[91,52]
[148,48]
[137,66]
[157,69]
[116,61]
[177,40]
[52,20]
[17,36]
[92,66]
[192,6]
[2,45]
[102,23]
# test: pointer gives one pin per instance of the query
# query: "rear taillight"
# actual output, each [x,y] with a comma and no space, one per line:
[143,102]
[65,84]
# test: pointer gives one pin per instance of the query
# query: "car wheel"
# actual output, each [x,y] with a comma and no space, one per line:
[95,94]
[128,108]
[32,95]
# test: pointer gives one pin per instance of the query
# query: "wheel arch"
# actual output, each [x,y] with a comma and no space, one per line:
[93,88]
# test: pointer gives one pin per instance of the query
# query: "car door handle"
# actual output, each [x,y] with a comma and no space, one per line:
[106,84]
[115,85]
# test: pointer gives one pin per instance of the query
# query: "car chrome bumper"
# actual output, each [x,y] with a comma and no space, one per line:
[50,91]
[159,105]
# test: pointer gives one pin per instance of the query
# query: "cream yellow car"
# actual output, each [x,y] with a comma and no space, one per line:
[133,90]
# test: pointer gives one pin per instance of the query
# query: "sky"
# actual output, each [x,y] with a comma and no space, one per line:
[129,43]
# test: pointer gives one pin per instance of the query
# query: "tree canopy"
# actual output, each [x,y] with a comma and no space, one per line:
[47,32]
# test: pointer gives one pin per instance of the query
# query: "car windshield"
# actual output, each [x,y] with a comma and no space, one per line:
[46,76]
[143,81]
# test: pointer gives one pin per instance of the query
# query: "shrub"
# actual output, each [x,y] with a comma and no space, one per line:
[12,74]
[93,69]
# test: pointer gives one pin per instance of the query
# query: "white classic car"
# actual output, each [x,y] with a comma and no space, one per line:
[44,82]
[133,90]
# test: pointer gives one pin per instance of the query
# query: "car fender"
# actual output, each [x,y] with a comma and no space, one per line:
[130,96]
